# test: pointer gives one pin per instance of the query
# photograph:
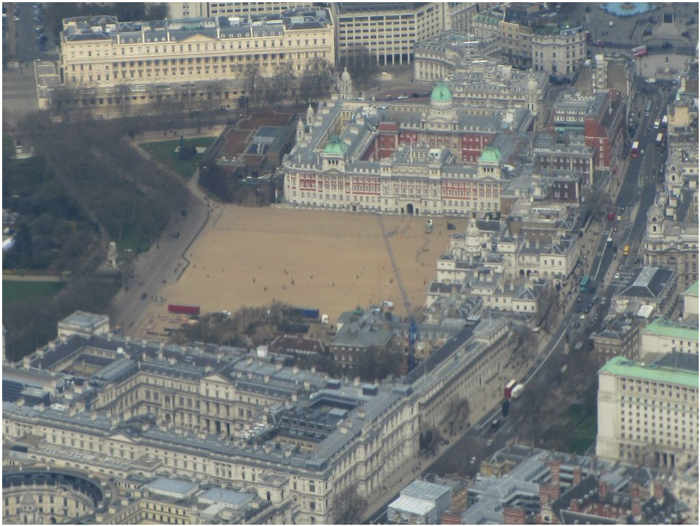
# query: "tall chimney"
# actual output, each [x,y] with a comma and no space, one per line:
[577,475]
[602,490]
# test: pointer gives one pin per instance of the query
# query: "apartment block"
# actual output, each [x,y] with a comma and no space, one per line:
[649,412]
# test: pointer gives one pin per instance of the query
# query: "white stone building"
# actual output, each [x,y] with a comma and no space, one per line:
[649,413]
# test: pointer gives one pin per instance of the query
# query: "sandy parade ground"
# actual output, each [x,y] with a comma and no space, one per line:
[333,261]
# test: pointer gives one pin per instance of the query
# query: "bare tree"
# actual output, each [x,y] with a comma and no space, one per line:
[362,67]
[349,507]
[285,79]
[123,92]
[548,307]
[251,76]
[457,413]
[600,203]
[429,440]
[524,339]
[317,79]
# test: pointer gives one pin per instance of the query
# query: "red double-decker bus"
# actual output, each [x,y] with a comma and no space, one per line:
[640,51]
[634,151]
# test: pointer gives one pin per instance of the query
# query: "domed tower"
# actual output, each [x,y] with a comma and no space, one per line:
[489,163]
[345,86]
[655,221]
[334,153]
[300,130]
[310,116]
[441,97]
[471,239]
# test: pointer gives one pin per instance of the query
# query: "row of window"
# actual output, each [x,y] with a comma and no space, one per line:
[183,48]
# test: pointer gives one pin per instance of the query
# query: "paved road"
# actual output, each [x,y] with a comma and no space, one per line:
[163,263]
[637,194]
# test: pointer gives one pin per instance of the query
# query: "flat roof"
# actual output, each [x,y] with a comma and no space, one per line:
[162,484]
[406,504]
[620,366]
[672,329]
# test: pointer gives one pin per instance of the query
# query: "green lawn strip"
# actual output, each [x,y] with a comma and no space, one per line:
[14,291]
[584,435]
[164,151]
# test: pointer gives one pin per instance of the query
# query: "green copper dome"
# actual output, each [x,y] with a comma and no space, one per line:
[441,93]
[335,146]
[490,155]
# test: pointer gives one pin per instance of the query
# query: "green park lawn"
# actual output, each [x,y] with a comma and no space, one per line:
[585,435]
[164,151]
[14,291]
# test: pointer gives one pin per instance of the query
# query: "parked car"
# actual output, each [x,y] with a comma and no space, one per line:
[144,295]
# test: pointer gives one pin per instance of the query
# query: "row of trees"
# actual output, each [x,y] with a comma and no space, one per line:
[113,186]
[253,326]
[208,97]
[31,323]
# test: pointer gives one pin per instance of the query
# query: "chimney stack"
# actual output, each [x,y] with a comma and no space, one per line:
[513,515]
[577,475]
[554,468]
[573,505]
[658,490]
[602,490]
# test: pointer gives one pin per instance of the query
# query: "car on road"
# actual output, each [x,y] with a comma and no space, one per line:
[400,97]
[577,325]
[184,213]
[619,218]
[587,310]
[578,309]
[617,275]
[144,295]
[578,300]
[176,234]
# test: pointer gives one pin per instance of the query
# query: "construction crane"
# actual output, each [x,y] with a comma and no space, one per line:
[413,326]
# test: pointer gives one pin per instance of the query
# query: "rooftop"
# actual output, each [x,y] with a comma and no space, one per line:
[181,487]
[620,366]
[692,290]
[673,329]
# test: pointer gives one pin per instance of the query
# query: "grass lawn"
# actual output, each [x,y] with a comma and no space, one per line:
[14,291]
[164,151]
[585,435]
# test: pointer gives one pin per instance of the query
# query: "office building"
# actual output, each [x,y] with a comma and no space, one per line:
[106,62]
[648,413]
[669,336]
[401,158]
[672,244]
[292,441]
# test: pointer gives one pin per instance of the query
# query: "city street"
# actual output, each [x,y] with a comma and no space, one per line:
[166,260]
[482,439]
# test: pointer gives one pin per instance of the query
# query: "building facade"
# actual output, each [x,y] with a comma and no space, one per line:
[193,59]
[649,413]
[559,51]
[294,440]
[401,158]
[386,30]
[668,336]
[672,244]
[619,338]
